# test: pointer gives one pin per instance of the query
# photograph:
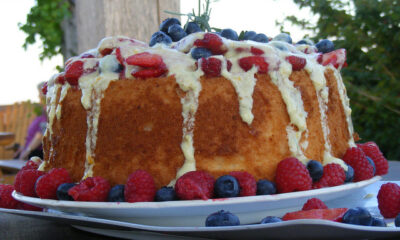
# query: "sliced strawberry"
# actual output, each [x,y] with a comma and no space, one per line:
[106,51]
[337,58]
[298,63]
[256,51]
[212,42]
[247,63]
[333,214]
[150,72]
[211,66]
[60,78]
[145,59]
[73,72]
[119,56]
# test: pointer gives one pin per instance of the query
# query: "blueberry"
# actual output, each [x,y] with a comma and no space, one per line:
[280,46]
[358,216]
[165,194]
[176,32]
[325,46]
[305,41]
[284,37]
[110,63]
[378,222]
[372,163]
[160,37]
[315,169]
[229,34]
[270,219]
[249,35]
[397,220]
[349,174]
[167,23]
[62,191]
[116,194]
[226,186]
[200,52]
[222,218]
[265,187]
[262,38]
[192,27]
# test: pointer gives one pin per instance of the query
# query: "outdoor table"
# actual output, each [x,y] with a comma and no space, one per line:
[6,138]
[14,227]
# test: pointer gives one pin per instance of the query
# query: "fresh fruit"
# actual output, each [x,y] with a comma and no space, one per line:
[32,164]
[46,186]
[279,45]
[249,35]
[389,200]
[333,214]
[195,185]
[270,219]
[222,218]
[150,72]
[314,203]
[192,27]
[372,150]
[176,32]
[200,52]
[62,191]
[315,169]
[283,37]
[372,164]
[291,175]
[349,174]
[246,63]
[334,175]
[140,187]
[256,51]
[298,63]
[28,207]
[226,186]
[325,46]
[247,183]
[165,194]
[260,37]
[116,194]
[86,55]
[355,157]
[44,88]
[229,34]
[212,42]
[145,59]
[337,58]
[73,72]
[92,189]
[211,66]
[25,181]
[305,41]
[358,216]
[167,23]
[397,220]
[60,78]
[159,37]
[265,187]
[6,200]
[378,222]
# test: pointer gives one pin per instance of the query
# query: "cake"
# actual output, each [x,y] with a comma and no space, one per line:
[125,106]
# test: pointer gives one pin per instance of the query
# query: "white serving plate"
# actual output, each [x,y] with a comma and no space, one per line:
[193,213]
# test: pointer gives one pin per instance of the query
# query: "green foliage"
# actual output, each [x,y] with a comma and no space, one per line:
[44,20]
[370,32]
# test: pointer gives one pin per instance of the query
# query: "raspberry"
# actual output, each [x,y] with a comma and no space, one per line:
[92,189]
[372,150]
[298,63]
[6,200]
[314,203]
[73,72]
[140,187]
[25,181]
[389,200]
[333,214]
[247,183]
[357,159]
[212,42]
[211,67]
[292,175]
[28,207]
[145,59]
[46,186]
[195,185]
[334,175]
[247,63]
[32,164]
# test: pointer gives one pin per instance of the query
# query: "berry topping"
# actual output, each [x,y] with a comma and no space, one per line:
[298,63]
[86,55]
[305,41]
[145,59]
[222,218]
[150,72]
[283,37]
[229,34]
[262,38]
[372,164]
[314,203]
[265,187]
[32,164]
[167,23]
[315,169]
[247,63]
[356,158]
[256,51]
[358,216]
[247,183]
[389,200]
[349,174]
[28,207]
[337,58]
[73,72]
[280,46]
[249,35]
[159,37]
[200,52]
[333,214]
[378,222]
[372,150]
[397,220]
[192,27]
[325,46]
[140,187]
[92,189]
[226,186]
[176,32]
[25,181]
[334,175]
[46,186]
[165,194]
[292,175]
[195,185]
[116,194]
[6,200]
[211,66]
[62,191]
[44,88]
[270,219]
[212,42]
[60,78]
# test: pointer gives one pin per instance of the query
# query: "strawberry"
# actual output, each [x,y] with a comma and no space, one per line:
[333,214]
[150,72]
[298,63]
[256,51]
[119,56]
[60,78]
[372,150]
[212,42]
[106,51]
[247,63]
[73,72]
[337,58]
[145,60]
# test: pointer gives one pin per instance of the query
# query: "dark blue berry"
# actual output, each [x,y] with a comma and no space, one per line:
[262,38]
[349,174]
[176,32]
[116,194]
[284,37]
[305,41]
[265,187]
[325,46]
[315,169]
[200,52]
[229,34]
[165,194]
[226,186]
[249,35]
[372,163]
[358,216]
[378,222]
[167,23]
[160,37]
[192,27]
[270,219]
[222,218]
[62,191]
[397,220]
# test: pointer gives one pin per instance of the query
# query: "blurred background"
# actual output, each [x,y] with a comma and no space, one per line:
[39,36]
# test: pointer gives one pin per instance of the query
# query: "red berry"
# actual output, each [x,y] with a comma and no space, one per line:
[44,88]
[73,72]
[60,78]
[145,59]
[46,186]
[6,200]
[150,72]
[298,63]
[140,187]
[336,58]
[28,207]
[119,56]
[106,51]
[25,181]
[32,164]
[333,214]
[256,51]
[372,150]
[389,200]
[228,65]
[314,203]
[247,63]
[334,175]
[195,185]
[292,175]
[92,189]
[86,55]
[212,42]
[211,66]
[357,159]
[247,183]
